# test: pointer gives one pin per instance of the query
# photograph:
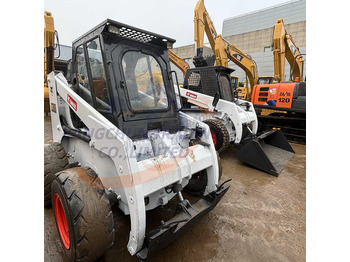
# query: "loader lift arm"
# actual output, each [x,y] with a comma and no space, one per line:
[285,48]
[223,50]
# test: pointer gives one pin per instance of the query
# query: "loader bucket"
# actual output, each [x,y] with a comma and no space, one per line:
[269,152]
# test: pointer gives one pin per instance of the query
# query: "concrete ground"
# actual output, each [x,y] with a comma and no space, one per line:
[261,218]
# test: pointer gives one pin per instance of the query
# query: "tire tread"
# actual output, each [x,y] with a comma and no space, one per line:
[93,229]
[223,131]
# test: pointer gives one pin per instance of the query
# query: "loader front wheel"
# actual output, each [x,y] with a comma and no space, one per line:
[198,182]
[55,160]
[83,214]
[219,134]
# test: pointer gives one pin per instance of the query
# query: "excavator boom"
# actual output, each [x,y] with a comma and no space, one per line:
[222,49]
[49,55]
[285,48]
[49,42]
[203,23]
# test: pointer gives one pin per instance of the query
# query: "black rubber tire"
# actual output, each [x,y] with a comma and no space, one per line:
[87,212]
[221,133]
[55,160]
[198,182]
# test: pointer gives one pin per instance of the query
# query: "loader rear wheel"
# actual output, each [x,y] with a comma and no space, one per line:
[83,214]
[219,133]
[198,182]
[55,160]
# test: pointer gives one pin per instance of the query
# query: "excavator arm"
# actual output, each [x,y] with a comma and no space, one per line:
[203,23]
[49,55]
[285,48]
[223,50]
[49,42]
[178,61]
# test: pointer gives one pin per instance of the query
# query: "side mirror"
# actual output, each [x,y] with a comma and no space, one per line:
[216,99]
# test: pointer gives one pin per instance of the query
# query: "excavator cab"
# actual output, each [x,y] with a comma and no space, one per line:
[263,80]
[234,81]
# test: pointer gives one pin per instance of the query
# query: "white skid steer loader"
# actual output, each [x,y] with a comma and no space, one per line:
[120,125]
[209,97]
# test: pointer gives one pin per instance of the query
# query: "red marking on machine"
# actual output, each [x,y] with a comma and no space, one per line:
[191,95]
[72,102]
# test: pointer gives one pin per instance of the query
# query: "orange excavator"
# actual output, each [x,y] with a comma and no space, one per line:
[283,104]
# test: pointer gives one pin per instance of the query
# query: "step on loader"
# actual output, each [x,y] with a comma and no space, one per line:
[209,97]
[128,143]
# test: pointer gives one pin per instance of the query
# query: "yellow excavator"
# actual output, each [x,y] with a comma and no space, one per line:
[183,66]
[49,54]
[285,48]
[178,61]
[223,51]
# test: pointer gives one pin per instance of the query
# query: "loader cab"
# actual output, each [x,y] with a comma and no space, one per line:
[210,80]
[124,73]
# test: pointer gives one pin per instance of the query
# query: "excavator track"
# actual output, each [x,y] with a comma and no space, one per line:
[292,127]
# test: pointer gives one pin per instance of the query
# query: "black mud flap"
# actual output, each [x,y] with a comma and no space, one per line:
[269,152]
[185,217]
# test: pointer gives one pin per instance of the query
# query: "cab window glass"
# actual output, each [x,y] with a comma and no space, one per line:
[226,91]
[144,82]
[98,75]
[83,80]
[234,82]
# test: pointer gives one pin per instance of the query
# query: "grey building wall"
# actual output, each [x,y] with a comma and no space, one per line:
[187,53]
[252,33]
[260,40]
[292,12]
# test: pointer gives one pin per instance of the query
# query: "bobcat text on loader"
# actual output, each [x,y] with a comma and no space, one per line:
[121,138]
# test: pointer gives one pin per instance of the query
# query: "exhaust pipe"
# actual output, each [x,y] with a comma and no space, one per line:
[269,152]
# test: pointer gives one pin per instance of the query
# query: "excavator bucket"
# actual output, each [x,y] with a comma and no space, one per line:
[269,152]
[200,61]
